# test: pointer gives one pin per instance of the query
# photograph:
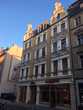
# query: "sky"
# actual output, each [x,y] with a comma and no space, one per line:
[15,15]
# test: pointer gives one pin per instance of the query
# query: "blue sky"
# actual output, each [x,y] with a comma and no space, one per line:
[16,14]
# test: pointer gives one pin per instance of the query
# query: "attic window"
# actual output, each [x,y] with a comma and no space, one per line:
[58,17]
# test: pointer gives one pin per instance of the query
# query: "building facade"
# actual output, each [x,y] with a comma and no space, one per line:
[76,39]
[46,76]
[8,59]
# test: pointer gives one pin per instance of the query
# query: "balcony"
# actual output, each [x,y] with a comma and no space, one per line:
[61,52]
[62,32]
[24,63]
[41,44]
[40,59]
[59,75]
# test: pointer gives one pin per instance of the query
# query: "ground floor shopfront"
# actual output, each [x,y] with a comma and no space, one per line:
[53,95]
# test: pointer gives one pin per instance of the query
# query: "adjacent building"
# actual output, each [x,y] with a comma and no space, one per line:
[76,39]
[9,58]
[50,61]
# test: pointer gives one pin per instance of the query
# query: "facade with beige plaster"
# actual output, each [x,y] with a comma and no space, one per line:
[8,59]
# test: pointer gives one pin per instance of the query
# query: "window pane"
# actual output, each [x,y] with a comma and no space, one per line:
[55,64]
[22,75]
[65,65]
[25,45]
[43,52]
[63,95]
[58,17]
[38,40]
[81,92]
[28,56]
[81,59]
[55,31]
[29,42]
[42,69]
[62,27]
[63,43]
[54,46]
[26,72]
[36,71]
[78,21]
[44,94]
[80,39]
[37,54]
[44,37]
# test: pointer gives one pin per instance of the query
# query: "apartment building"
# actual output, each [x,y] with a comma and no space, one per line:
[46,75]
[8,59]
[76,39]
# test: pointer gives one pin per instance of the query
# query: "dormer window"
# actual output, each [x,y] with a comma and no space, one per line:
[58,17]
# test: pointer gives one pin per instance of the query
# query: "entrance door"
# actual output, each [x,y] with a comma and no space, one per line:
[33,95]
[23,91]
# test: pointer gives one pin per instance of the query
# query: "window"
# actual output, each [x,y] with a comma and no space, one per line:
[44,37]
[22,73]
[44,93]
[78,21]
[28,56]
[29,43]
[81,59]
[42,69]
[55,66]
[23,92]
[62,27]
[38,39]
[80,39]
[43,52]
[54,46]
[80,85]
[24,57]
[36,71]
[26,73]
[37,53]
[45,26]
[25,45]
[63,43]
[55,30]
[63,95]
[65,65]
[58,17]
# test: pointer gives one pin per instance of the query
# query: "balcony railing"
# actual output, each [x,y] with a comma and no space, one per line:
[39,59]
[60,52]
[24,63]
[64,73]
[63,31]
